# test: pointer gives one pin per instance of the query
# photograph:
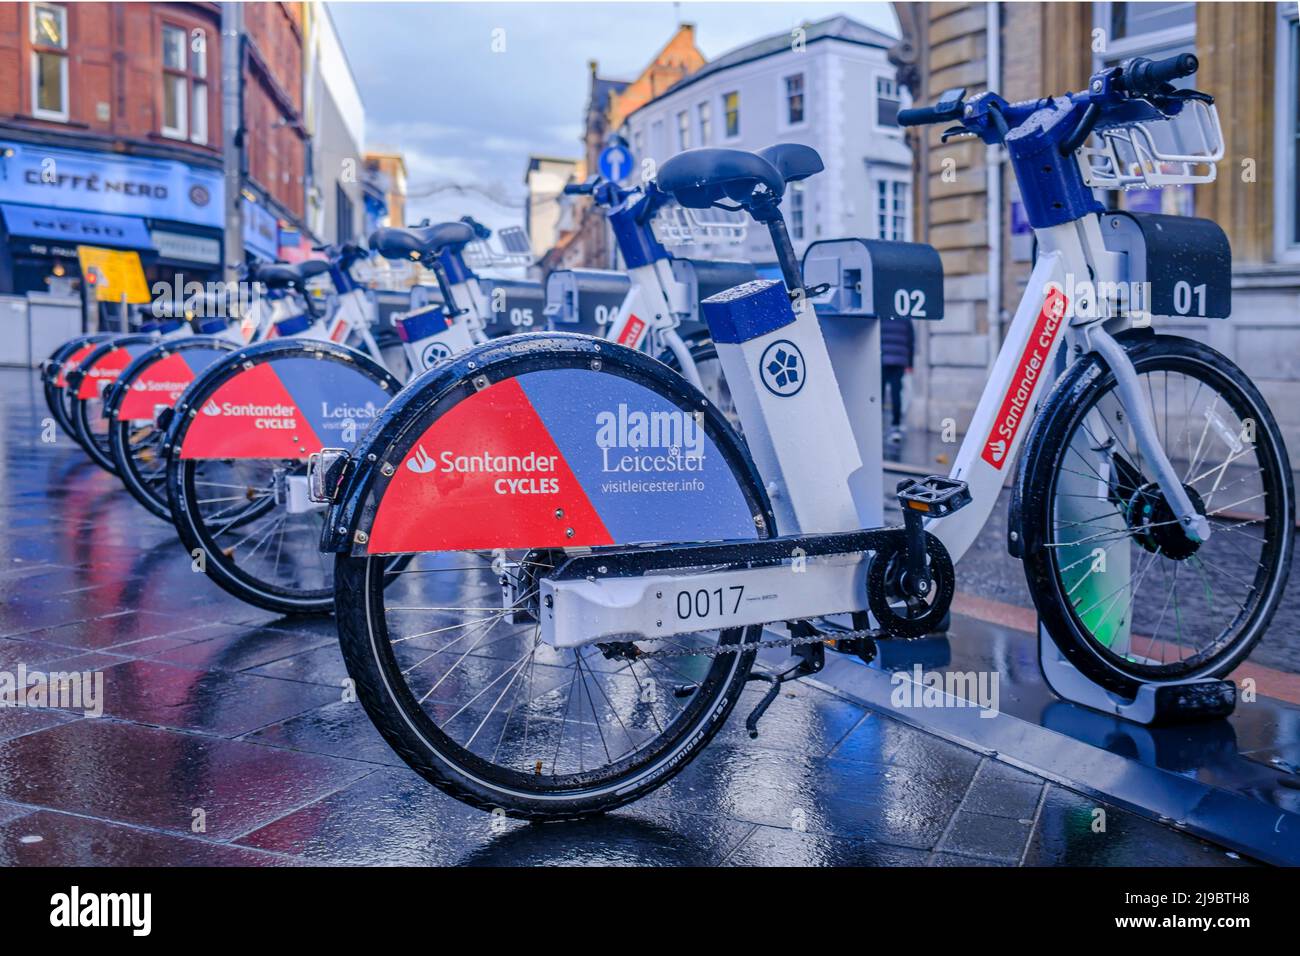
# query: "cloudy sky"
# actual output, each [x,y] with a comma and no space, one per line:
[467,117]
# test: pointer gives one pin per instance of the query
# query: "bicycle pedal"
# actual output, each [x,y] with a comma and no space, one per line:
[935,496]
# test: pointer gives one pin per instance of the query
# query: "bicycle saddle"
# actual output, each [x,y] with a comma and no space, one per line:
[698,178]
[794,161]
[392,242]
[276,275]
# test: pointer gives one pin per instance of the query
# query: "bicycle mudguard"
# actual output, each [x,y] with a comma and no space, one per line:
[546,440]
[160,376]
[286,399]
[77,355]
[108,360]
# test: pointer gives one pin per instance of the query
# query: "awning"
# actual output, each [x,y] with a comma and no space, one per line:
[76,228]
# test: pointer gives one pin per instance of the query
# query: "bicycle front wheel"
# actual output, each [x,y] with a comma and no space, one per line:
[1127,596]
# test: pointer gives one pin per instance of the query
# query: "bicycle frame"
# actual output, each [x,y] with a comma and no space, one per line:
[803,446]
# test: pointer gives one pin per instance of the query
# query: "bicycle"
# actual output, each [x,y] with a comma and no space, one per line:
[156,379]
[593,554]
[235,447]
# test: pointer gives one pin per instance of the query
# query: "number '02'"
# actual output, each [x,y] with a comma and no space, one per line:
[910,303]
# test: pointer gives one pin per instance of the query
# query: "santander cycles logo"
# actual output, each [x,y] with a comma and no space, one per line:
[421,462]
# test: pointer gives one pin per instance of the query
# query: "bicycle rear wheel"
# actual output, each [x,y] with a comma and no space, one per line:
[96,373]
[447,652]
[54,377]
[155,379]
[236,461]
[1126,595]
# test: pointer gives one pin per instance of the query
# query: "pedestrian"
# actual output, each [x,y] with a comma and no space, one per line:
[897,346]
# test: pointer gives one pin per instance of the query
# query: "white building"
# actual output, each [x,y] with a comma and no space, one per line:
[826,84]
[336,120]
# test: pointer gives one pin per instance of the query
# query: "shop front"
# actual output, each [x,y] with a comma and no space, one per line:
[53,200]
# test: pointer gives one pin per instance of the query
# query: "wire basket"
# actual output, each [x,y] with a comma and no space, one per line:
[1133,157]
[675,225]
[513,249]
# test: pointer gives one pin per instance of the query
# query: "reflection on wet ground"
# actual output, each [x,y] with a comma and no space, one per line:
[227,736]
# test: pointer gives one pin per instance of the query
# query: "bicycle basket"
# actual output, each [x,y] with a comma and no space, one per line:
[513,249]
[1178,151]
[675,225]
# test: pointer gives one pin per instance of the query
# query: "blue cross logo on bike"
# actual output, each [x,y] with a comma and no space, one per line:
[436,352]
[782,368]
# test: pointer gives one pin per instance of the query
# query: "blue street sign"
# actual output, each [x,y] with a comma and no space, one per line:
[615,163]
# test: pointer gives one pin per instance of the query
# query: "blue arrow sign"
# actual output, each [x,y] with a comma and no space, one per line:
[615,163]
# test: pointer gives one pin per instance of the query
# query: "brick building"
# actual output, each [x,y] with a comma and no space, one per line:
[111,134]
[585,240]
[1250,56]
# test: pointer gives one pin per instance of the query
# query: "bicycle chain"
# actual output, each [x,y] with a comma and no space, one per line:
[718,650]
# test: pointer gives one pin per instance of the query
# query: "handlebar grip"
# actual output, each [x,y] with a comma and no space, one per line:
[578,189]
[1148,76]
[918,116]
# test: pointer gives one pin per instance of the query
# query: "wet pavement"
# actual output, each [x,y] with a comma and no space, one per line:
[226,736]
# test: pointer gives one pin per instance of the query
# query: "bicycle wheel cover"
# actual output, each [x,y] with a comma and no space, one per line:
[155,379]
[239,438]
[423,486]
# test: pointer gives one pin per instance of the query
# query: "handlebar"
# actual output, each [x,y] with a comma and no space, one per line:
[1142,76]
[948,108]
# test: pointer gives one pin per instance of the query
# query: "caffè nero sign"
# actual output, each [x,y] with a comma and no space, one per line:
[105,183]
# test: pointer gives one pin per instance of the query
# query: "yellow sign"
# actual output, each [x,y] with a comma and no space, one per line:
[114,273]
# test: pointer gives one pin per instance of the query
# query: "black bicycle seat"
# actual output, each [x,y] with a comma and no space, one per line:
[698,178]
[794,161]
[278,275]
[393,242]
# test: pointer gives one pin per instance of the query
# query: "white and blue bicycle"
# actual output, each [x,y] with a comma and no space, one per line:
[591,556]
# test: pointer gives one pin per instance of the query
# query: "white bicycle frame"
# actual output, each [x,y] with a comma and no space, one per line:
[803,446]
[467,329]
[652,311]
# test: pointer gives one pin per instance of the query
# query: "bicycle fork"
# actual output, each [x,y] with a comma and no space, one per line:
[1194,524]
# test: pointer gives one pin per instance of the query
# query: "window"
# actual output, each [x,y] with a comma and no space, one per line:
[1287,202]
[185,88]
[343,214]
[731,114]
[49,61]
[683,130]
[1133,19]
[795,215]
[704,113]
[887,101]
[657,144]
[794,106]
[891,210]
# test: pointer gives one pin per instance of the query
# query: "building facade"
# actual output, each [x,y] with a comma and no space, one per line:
[546,216]
[336,122]
[829,85]
[274,143]
[112,129]
[110,135]
[1249,57]
[585,240]
[386,171]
